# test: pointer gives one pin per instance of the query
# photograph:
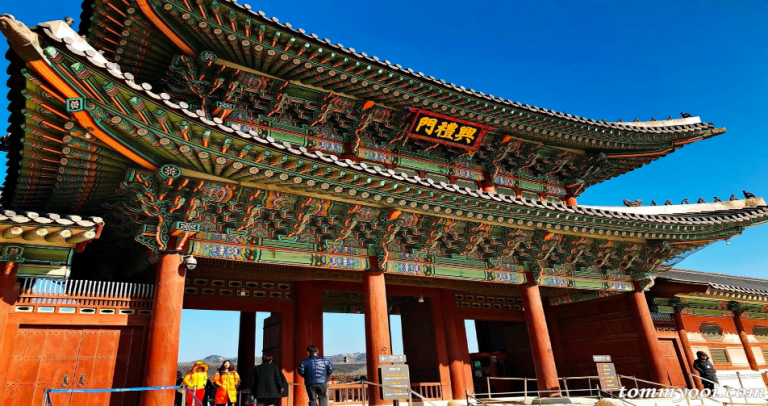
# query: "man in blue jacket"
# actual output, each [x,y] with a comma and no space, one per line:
[315,370]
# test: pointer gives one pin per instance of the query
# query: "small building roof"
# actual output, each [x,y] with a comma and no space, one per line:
[719,282]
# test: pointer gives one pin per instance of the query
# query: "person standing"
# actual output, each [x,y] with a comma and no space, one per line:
[268,384]
[706,370]
[226,380]
[195,380]
[315,370]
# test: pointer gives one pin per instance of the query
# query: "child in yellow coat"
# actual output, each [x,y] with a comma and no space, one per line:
[195,380]
[226,380]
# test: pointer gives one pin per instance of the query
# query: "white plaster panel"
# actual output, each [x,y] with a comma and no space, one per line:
[759,357]
[752,339]
[697,348]
[737,356]
[696,337]
[731,339]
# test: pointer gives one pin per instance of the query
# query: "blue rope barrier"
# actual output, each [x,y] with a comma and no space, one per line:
[112,390]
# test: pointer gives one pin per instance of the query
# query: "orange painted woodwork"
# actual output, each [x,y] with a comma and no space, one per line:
[454,341]
[745,342]
[376,329]
[687,352]
[287,361]
[555,338]
[541,347]
[72,357]
[246,346]
[571,201]
[646,332]
[673,361]
[309,330]
[164,330]
[8,292]
[441,347]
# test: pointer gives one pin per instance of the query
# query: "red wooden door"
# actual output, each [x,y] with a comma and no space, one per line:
[272,338]
[674,365]
[74,358]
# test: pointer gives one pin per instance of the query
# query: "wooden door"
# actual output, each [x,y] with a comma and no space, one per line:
[272,338]
[419,340]
[672,359]
[72,358]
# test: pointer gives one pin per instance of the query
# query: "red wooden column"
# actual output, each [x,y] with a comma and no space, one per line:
[681,331]
[164,329]
[556,339]
[7,332]
[541,347]
[377,340]
[246,347]
[441,348]
[309,330]
[287,353]
[455,341]
[646,333]
[745,341]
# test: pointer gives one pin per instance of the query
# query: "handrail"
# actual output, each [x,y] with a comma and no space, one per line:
[636,379]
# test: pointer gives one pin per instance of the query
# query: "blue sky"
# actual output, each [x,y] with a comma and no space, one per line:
[598,59]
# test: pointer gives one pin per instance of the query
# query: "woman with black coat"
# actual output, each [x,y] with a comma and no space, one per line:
[268,383]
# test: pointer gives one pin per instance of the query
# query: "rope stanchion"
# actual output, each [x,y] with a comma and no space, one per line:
[47,393]
[190,393]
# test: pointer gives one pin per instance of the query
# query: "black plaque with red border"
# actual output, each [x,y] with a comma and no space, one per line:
[447,130]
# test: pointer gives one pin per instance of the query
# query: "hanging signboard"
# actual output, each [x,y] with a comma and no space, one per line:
[396,382]
[609,381]
[394,359]
[446,130]
[601,358]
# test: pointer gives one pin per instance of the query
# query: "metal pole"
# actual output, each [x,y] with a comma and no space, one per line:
[525,388]
[565,383]
[589,385]
[488,381]
[635,378]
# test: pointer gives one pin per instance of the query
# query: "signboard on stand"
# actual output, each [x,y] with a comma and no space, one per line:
[396,382]
[609,380]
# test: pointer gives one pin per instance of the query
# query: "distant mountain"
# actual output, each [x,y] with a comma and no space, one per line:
[215,361]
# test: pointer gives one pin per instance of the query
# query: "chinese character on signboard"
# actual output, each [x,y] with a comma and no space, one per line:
[447,130]
[75,104]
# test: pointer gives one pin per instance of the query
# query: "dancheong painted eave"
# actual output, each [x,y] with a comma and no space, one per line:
[559,170]
[230,28]
[421,193]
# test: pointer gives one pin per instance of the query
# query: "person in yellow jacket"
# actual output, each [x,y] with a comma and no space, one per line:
[195,380]
[226,380]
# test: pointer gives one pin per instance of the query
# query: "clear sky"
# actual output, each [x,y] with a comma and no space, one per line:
[599,59]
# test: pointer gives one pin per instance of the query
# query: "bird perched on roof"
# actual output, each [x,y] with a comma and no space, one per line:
[69,21]
[670,118]
[668,202]
[637,120]
[621,120]
[685,115]
[733,197]
[653,203]
[684,201]
[748,195]
[653,118]
[717,199]
[633,203]
[701,200]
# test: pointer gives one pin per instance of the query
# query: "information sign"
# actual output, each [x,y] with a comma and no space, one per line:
[601,358]
[609,381]
[395,381]
[392,359]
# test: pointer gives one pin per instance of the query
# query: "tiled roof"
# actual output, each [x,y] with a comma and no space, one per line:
[751,212]
[719,282]
[261,17]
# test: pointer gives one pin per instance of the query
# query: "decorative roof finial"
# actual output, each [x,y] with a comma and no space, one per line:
[69,21]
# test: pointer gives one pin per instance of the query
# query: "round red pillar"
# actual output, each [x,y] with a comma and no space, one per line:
[376,329]
[246,347]
[164,329]
[646,333]
[541,346]
[745,341]
[454,342]
[681,331]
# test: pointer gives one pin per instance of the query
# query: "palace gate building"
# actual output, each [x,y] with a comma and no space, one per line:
[307,177]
